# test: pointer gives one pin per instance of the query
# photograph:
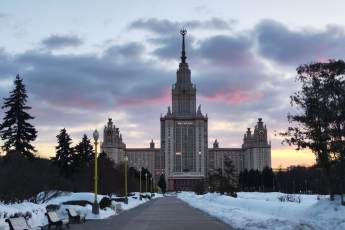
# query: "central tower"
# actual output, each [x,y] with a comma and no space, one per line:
[183,91]
[184,132]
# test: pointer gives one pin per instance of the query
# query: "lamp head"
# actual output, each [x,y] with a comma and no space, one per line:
[95,135]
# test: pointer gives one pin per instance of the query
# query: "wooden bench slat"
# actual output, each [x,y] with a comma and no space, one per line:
[19,223]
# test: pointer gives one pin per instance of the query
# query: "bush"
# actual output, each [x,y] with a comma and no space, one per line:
[199,188]
[105,202]
[233,194]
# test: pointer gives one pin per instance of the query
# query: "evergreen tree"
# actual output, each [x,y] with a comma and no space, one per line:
[64,154]
[107,173]
[231,180]
[214,179]
[162,184]
[84,153]
[245,179]
[15,129]
[267,178]
[251,180]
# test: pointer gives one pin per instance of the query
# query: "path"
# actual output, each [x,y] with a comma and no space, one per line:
[169,213]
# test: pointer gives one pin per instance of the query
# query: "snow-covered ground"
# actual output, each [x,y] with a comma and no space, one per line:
[254,210]
[38,210]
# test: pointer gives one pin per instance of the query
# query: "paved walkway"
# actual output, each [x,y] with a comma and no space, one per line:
[169,213]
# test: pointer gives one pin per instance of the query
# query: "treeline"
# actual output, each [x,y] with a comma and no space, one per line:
[23,175]
[297,179]
[23,178]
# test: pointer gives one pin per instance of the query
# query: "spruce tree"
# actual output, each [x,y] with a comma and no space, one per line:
[15,129]
[162,184]
[84,153]
[267,178]
[64,158]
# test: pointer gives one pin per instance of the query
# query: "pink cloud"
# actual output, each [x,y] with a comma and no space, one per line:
[234,97]
[163,99]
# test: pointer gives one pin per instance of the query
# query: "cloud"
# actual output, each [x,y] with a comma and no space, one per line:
[131,81]
[56,41]
[167,27]
[294,47]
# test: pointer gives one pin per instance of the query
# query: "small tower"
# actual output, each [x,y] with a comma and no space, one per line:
[215,144]
[256,148]
[152,144]
[112,143]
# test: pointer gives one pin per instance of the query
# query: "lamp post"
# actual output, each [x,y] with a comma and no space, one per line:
[126,192]
[146,182]
[95,206]
[140,196]
[151,185]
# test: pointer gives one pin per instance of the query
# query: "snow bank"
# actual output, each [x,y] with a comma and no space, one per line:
[264,211]
[37,211]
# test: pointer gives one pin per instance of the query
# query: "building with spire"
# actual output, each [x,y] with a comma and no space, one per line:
[184,157]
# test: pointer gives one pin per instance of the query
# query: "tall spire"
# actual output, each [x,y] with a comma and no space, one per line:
[183,32]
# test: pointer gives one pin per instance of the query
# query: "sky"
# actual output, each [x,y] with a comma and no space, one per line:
[86,61]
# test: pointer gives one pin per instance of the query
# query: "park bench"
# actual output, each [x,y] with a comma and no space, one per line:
[19,223]
[118,208]
[53,220]
[74,216]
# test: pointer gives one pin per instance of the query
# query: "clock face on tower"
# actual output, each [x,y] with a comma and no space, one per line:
[261,132]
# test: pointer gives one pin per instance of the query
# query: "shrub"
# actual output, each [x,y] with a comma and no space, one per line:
[233,194]
[199,188]
[105,202]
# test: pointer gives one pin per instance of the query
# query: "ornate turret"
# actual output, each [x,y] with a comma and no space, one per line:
[112,136]
[198,113]
[152,144]
[215,144]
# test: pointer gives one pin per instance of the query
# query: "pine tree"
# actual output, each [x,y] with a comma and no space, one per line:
[162,184]
[15,129]
[229,181]
[64,154]
[84,153]
[267,178]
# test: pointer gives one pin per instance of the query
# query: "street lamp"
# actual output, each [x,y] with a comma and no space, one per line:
[151,185]
[140,196]
[95,206]
[126,161]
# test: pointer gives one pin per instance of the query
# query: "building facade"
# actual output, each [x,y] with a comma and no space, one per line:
[184,157]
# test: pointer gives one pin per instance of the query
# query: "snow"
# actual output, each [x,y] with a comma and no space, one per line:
[38,210]
[254,210]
